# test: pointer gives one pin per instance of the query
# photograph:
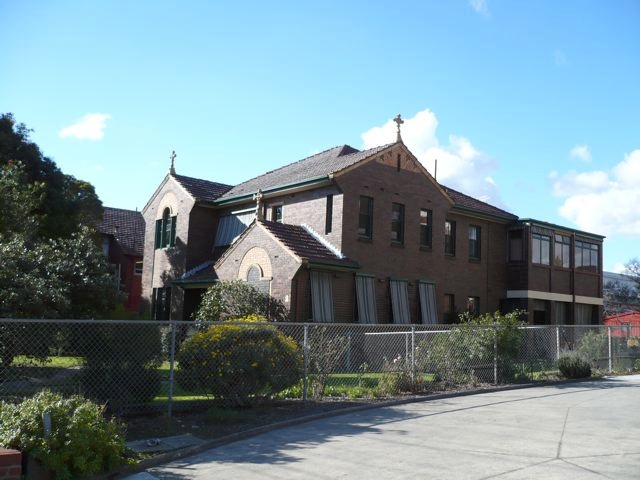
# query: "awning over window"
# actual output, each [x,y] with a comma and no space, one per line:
[366,299]
[321,297]
[230,226]
[428,307]
[400,301]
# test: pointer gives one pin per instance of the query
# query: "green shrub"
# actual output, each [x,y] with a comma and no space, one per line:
[237,299]
[239,363]
[572,365]
[592,347]
[121,363]
[81,442]
[396,377]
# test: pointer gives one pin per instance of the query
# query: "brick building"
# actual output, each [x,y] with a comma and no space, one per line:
[123,244]
[366,236]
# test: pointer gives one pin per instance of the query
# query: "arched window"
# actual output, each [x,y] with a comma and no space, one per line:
[255,279]
[166,230]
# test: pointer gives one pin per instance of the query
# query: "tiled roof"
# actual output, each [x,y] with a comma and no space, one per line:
[462,200]
[126,226]
[202,190]
[304,245]
[315,166]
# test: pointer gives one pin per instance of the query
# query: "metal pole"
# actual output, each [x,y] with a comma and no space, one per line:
[172,356]
[495,355]
[413,354]
[305,362]
[610,362]
[557,343]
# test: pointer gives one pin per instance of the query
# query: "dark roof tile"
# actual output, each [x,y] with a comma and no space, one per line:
[202,190]
[462,200]
[126,226]
[304,245]
[316,166]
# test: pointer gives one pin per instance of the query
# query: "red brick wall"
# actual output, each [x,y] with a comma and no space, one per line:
[10,464]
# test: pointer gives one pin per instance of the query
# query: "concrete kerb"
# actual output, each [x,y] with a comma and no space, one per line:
[234,437]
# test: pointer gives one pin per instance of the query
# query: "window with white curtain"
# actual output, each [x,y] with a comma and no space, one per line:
[428,305]
[400,301]
[366,298]
[321,297]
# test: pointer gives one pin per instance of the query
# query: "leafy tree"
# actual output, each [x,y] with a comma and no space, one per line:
[67,202]
[51,265]
[234,299]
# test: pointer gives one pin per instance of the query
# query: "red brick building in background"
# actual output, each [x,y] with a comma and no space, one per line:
[364,236]
[123,244]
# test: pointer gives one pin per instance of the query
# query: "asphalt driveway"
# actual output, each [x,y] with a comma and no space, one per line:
[588,430]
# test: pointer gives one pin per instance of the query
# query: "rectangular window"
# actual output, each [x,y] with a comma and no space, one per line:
[276,213]
[474,242]
[397,223]
[321,297]
[426,227]
[515,246]
[166,230]
[400,301]
[137,269]
[161,303]
[540,249]
[365,218]
[427,297]
[473,305]
[366,298]
[328,222]
[449,238]
[449,308]
[562,251]
[586,256]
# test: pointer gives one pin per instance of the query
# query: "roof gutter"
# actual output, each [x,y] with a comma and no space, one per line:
[289,188]
[485,215]
[328,264]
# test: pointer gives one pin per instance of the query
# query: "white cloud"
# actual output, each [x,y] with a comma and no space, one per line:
[480,6]
[603,202]
[460,164]
[619,268]
[89,127]
[581,152]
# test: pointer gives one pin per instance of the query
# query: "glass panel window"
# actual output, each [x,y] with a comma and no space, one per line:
[276,213]
[137,269]
[328,222]
[540,249]
[515,246]
[474,242]
[365,218]
[562,251]
[449,238]
[586,256]
[397,223]
[426,227]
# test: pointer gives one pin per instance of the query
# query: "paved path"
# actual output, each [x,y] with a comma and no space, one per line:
[574,431]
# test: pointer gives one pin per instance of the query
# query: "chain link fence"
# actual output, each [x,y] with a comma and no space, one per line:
[140,366]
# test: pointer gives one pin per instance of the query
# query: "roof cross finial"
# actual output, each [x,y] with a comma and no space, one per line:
[399,122]
[258,198]
[172,170]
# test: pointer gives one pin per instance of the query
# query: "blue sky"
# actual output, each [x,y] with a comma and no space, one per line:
[533,106]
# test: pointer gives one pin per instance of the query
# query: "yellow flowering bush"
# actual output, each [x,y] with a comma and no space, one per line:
[239,361]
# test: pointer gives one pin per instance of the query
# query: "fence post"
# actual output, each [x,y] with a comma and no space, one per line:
[557,343]
[413,354]
[305,363]
[610,362]
[172,356]
[495,355]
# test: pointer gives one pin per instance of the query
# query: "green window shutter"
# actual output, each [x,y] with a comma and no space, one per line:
[158,243]
[173,220]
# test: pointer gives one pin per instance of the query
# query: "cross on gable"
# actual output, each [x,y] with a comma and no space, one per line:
[172,170]
[399,122]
